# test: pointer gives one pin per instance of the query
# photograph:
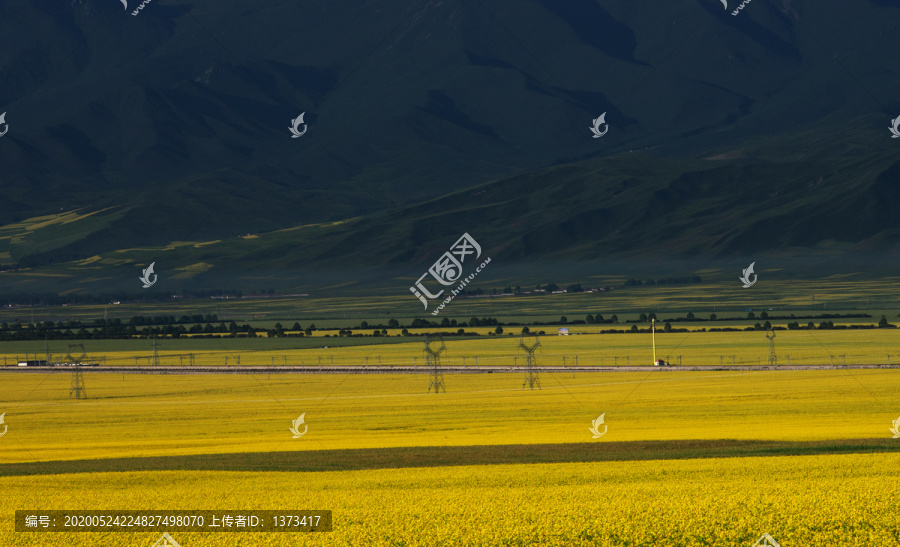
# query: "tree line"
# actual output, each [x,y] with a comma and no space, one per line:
[209,325]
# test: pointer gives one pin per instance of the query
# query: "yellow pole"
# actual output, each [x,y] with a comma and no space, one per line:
[653,328]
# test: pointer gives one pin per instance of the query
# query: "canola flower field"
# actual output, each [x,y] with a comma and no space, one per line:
[706,458]
[843,500]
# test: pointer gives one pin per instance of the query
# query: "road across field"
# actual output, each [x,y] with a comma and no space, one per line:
[416,370]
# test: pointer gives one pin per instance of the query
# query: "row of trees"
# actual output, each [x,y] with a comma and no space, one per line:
[169,326]
[645,318]
[114,330]
[418,323]
[824,325]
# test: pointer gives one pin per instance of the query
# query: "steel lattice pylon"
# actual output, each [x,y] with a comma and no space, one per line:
[155,357]
[772,359]
[433,361]
[76,389]
[531,376]
[79,356]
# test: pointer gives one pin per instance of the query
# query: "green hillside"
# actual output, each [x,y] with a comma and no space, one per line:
[184,130]
[761,201]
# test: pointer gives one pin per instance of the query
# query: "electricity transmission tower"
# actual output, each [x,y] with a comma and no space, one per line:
[433,361]
[772,359]
[155,354]
[531,376]
[76,389]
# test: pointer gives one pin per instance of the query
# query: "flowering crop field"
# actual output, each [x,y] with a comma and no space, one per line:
[698,458]
[843,500]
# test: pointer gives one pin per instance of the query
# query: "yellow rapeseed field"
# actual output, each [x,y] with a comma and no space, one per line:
[690,458]
[846,500]
[139,415]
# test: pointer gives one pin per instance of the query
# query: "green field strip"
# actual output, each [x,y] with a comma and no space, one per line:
[444,456]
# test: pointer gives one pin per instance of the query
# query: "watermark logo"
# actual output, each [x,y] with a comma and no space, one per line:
[596,427]
[739,8]
[894,128]
[766,541]
[895,430]
[725,3]
[296,429]
[124,4]
[6,125]
[595,129]
[448,270]
[137,9]
[166,541]
[148,271]
[746,277]
[295,124]
[5,427]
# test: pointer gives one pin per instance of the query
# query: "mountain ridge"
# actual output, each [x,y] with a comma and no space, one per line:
[178,119]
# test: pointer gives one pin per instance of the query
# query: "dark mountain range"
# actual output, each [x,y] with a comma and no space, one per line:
[728,134]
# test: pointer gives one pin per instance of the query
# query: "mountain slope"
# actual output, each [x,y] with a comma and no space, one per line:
[179,116]
[770,200]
